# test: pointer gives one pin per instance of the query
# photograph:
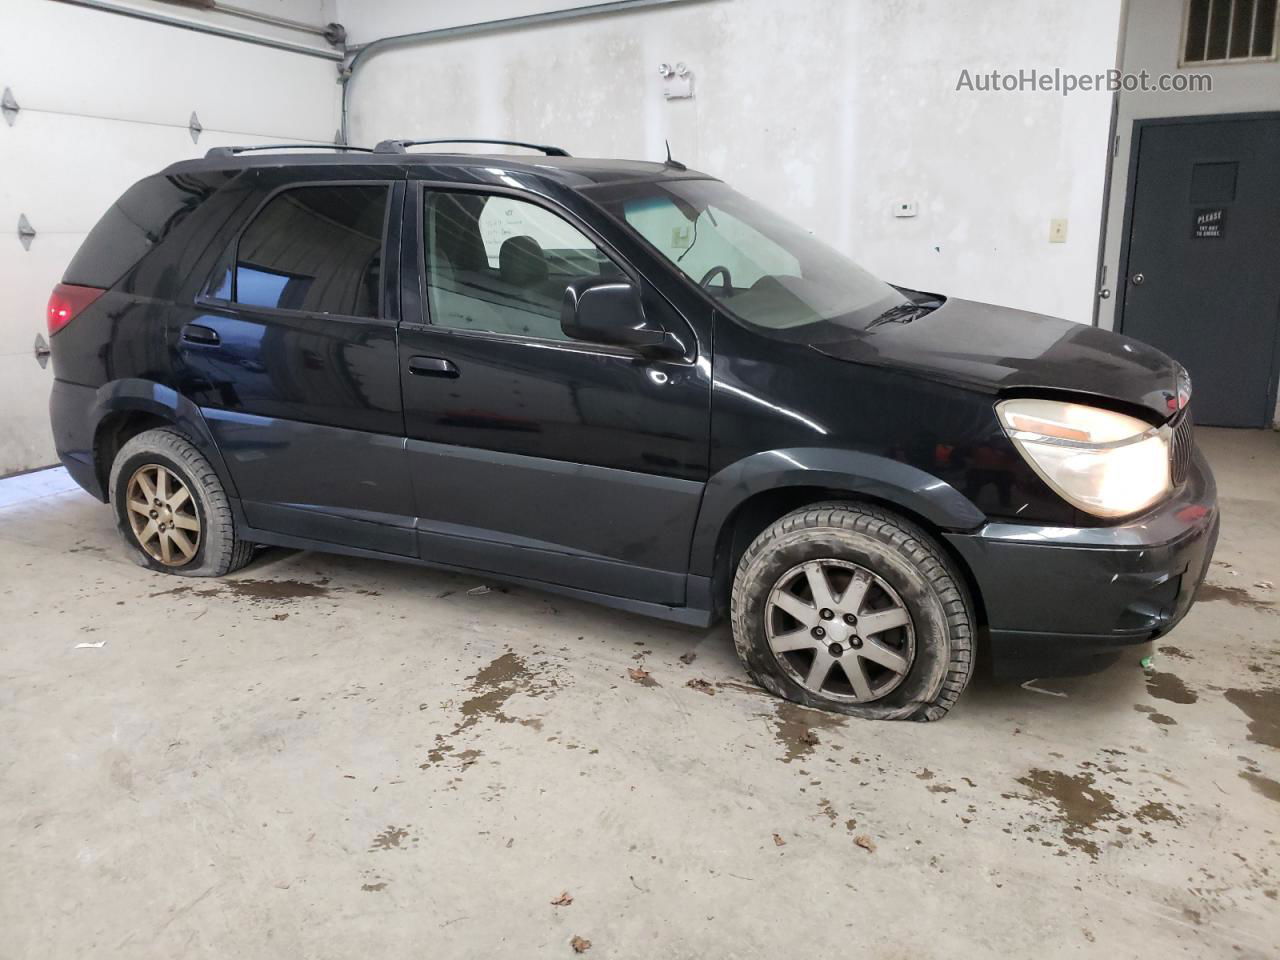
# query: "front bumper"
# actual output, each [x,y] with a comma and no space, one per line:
[1069,599]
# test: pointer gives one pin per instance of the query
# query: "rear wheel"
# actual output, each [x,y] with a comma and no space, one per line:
[853,609]
[171,509]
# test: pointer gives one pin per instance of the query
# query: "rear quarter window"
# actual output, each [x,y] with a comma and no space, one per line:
[133,226]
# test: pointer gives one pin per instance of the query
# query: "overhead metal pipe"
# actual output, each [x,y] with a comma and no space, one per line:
[155,16]
[359,53]
[267,18]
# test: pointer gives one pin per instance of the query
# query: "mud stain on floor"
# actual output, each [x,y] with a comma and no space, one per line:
[1236,596]
[373,887]
[255,591]
[492,686]
[1176,653]
[796,728]
[1154,811]
[1169,686]
[1155,716]
[1079,804]
[1262,707]
[276,589]
[1263,785]
[389,839]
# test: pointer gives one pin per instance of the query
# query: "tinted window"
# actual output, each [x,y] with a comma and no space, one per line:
[501,265]
[317,249]
[134,224]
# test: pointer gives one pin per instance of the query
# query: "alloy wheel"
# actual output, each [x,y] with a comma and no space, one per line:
[839,630]
[162,515]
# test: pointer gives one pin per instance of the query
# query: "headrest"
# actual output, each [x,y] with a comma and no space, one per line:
[521,262]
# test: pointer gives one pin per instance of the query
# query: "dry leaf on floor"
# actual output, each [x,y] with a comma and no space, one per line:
[702,686]
[778,841]
[563,900]
[580,945]
[688,657]
[638,674]
[1265,584]
[477,591]
[865,842]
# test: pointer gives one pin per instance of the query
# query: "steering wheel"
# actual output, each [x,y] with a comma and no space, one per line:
[711,275]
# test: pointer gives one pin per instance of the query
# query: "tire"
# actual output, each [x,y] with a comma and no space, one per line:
[164,458]
[897,632]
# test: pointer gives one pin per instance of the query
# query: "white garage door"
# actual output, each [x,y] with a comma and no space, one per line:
[105,100]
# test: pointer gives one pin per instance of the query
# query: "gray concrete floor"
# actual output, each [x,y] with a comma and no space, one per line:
[326,757]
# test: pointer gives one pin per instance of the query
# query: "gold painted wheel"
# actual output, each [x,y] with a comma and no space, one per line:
[162,515]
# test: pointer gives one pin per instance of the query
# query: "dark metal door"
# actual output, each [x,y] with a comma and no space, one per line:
[531,456]
[1203,268]
[292,358]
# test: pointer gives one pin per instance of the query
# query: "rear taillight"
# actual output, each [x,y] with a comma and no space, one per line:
[67,301]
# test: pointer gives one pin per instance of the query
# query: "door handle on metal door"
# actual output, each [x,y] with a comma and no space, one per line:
[195,333]
[432,367]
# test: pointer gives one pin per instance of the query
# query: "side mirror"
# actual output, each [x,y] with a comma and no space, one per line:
[604,310]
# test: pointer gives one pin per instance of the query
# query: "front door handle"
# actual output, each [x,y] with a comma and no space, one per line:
[432,367]
[195,333]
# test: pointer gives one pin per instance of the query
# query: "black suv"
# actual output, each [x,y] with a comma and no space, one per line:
[628,383]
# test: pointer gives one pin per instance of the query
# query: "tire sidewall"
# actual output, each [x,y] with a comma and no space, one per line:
[121,472]
[933,646]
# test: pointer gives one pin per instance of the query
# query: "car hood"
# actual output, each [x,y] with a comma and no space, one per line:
[999,349]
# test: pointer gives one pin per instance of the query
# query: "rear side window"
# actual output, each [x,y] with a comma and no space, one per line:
[136,223]
[315,249]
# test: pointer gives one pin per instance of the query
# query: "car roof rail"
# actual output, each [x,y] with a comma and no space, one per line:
[217,152]
[399,146]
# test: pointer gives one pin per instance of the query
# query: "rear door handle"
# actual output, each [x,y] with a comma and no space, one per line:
[432,367]
[195,333]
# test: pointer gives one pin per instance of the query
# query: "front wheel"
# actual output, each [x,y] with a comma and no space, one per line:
[171,509]
[853,609]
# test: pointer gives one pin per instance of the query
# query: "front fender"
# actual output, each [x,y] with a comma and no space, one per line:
[890,481]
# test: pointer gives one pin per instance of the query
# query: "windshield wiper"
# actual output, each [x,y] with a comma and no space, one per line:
[902,313]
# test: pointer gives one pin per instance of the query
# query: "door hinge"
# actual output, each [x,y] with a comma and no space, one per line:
[42,351]
[9,107]
[26,232]
[194,126]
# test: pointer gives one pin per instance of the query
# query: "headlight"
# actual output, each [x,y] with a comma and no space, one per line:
[1102,462]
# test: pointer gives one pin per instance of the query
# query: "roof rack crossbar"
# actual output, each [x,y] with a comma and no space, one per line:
[399,146]
[217,152]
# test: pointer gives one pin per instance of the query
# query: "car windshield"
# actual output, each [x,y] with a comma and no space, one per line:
[760,268]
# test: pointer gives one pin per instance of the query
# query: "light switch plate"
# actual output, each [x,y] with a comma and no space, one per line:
[1058,230]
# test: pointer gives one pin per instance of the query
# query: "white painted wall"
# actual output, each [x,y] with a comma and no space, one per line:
[105,102]
[830,110]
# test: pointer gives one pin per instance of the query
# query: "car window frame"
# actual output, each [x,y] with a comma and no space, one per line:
[419,189]
[389,212]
